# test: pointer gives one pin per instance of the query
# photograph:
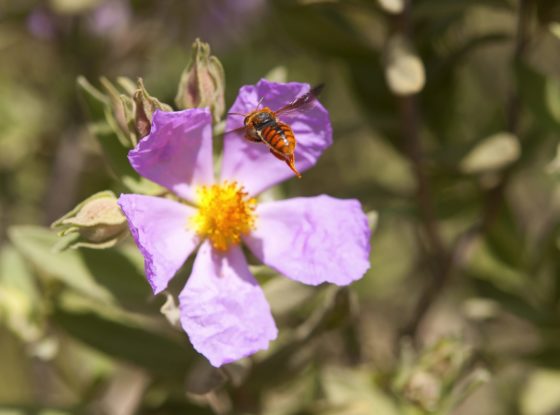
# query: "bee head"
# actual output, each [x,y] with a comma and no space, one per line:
[258,118]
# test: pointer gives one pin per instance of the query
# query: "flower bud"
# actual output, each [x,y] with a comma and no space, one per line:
[118,113]
[97,222]
[144,107]
[202,82]
[439,376]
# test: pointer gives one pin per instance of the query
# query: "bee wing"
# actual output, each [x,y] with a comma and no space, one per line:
[303,102]
[235,130]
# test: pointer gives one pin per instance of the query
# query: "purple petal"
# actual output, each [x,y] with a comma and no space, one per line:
[178,151]
[159,227]
[223,310]
[251,164]
[313,239]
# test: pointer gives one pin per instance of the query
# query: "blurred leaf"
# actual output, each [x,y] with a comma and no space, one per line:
[547,357]
[492,153]
[439,9]
[555,29]
[108,276]
[73,6]
[285,295]
[20,300]
[129,342]
[548,11]
[121,272]
[353,392]
[124,392]
[375,98]
[392,6]
[552,96]
[446,77]
[538,93]
[293,356]
[35,244]
[277,74]
[554,166]
[204,378]
[506,239]
[404,70]
[337,37]
[513,303]
[465,388]
[170,309]
[14,272]
[540,396]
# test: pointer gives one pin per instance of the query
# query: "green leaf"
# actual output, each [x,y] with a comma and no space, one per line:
[492,153]
[35,244]
[20,300]
[538,93]
[515,304]
[127,342]
[404,70]
[540,396]
[352,391]
[112,276]
[392,6]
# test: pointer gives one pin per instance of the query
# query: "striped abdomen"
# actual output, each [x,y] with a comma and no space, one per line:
[279,137]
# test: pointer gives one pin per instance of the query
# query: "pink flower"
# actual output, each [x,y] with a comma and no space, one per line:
[311,239]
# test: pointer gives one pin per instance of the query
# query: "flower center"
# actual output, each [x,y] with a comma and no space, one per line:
[225,213]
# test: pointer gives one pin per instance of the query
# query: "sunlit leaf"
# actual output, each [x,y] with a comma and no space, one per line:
[36,243]
[392,6]
[73,6]
[112,276]
[493,153]
[404,69]
[540,396]
[352,391]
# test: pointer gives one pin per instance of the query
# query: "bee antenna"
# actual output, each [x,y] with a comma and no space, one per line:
[260,102]
[235,113]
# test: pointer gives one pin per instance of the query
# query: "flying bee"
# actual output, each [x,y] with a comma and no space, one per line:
[263,126]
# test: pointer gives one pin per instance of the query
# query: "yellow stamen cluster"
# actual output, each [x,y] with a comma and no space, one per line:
[225,213]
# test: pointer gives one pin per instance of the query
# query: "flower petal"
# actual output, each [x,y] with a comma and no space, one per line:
[159,227]
[251,163]
[313,240]
[177,153]
[223,310]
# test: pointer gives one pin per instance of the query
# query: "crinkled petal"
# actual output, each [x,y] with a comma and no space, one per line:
[313,239]
[159,227]
[251,163]
[177,153]
[223,310]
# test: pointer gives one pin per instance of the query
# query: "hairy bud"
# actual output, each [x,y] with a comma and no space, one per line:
[202,82]
[97,222]
[144,107]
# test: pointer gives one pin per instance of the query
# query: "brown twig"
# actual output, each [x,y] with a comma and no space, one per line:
[410,121]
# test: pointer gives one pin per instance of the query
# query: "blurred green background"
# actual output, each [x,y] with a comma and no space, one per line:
[446,119]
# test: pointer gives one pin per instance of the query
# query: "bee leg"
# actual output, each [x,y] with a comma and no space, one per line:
[290,161]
